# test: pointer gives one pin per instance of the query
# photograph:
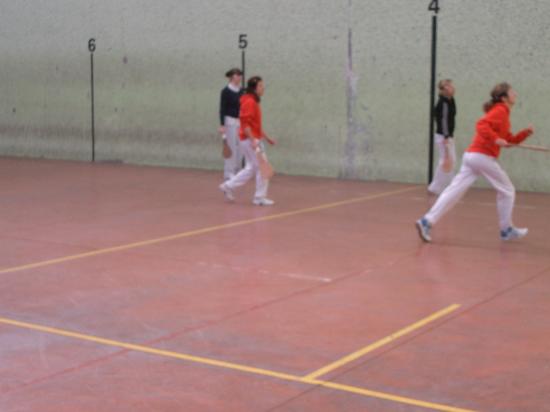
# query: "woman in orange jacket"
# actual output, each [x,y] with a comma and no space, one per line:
[492,133]
[251,135]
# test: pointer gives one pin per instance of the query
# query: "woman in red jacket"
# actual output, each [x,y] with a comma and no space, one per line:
[251,134]
[492,133]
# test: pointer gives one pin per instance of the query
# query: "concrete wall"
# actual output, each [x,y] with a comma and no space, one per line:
[347,80]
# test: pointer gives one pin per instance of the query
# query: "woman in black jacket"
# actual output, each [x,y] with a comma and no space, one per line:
[445,112]
[229,123]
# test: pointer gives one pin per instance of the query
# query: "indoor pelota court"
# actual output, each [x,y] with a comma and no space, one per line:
[274,206]
[120,294]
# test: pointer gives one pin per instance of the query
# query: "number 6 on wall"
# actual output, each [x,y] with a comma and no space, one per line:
[91,45]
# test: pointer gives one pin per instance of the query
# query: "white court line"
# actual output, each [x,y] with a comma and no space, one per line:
[304,277]
[266,272]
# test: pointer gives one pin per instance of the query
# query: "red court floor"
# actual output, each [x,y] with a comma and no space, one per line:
[127,288]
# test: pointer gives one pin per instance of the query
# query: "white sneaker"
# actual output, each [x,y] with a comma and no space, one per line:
[513,233]
[227,192]
[424,227]
[263,201]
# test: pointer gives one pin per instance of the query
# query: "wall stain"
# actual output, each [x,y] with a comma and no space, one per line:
[355,129]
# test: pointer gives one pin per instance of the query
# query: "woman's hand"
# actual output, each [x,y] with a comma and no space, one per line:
[448,164]
[270,140]
[254,143]
[503,143]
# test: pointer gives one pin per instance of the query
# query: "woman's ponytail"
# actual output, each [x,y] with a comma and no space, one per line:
[499,92]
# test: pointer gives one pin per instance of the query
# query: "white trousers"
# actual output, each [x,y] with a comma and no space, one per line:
[233,164]
[441,178]
[474,165]
[251,169]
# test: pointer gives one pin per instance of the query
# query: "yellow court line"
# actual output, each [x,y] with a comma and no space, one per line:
[384,341]
[234,366]
[201,231]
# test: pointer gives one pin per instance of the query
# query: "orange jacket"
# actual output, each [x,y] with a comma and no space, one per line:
[251,116]
[495,124]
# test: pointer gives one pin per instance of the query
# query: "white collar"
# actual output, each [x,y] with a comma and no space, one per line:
[236,89]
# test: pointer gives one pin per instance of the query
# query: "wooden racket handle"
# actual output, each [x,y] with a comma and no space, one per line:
[532,147]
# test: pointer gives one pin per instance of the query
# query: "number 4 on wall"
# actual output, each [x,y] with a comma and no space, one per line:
[434,6]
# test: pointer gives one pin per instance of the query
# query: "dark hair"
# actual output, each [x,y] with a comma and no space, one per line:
[230,73]
[252,85]
[499,92]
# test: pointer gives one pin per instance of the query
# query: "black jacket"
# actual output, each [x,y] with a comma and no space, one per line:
[229,103]
[445,112]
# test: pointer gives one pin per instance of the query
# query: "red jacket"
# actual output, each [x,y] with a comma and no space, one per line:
[495,124]
[250,116]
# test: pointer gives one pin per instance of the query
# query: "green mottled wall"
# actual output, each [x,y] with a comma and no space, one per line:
[347,80]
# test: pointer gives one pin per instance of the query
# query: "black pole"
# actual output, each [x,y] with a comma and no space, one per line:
[243,63]
[93,103]
[432,96]
[243,43]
